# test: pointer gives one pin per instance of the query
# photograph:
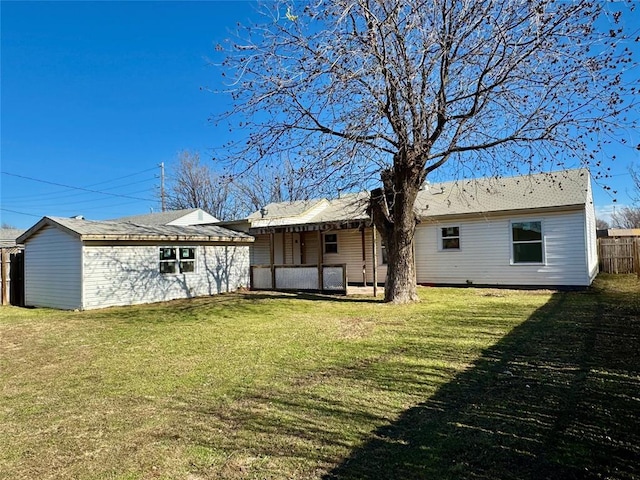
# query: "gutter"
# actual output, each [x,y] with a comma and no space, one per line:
[166,238]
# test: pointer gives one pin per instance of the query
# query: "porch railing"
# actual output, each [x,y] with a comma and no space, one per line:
[329,278]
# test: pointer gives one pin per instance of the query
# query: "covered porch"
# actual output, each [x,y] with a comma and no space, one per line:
[321,257]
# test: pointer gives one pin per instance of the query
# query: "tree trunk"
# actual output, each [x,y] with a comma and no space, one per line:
[394,217]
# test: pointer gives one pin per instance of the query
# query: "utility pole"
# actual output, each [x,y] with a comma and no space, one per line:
[162,186]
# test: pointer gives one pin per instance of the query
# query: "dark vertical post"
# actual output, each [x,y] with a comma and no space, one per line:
[320,261]
[364,256]
[272,255]
[4,274]
[375,258]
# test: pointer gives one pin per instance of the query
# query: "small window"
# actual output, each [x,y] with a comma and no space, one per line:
[383,252]
[177,260]
[450,237]
[527,242]
[331,243]
[187,260]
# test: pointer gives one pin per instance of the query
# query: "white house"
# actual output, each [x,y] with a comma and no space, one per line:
[79,264]
[536,230]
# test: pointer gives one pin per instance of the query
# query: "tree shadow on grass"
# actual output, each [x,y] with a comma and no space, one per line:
[557,398]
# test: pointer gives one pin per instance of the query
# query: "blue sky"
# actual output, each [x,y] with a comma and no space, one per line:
[96,94]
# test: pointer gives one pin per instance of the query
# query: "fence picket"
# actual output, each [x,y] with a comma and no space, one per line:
[618,255]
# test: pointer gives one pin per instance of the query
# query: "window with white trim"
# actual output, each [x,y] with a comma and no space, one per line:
[527,242]
[331,243]
[450,238]
[177,260]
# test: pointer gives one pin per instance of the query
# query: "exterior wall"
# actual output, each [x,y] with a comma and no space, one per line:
[260,250]
[591,234]
[309,247]
[53,270]
[194,218]
[484,256]
[350,252]
[128,275]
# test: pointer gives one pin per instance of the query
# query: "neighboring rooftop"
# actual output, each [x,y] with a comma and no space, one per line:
[194,215]
[120,231]
[8,236]
[286,209]
[619,232]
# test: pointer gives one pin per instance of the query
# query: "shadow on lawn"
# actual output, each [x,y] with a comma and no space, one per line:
[557,398]
[275,294]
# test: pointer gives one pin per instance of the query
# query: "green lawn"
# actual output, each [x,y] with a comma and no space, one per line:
[470,383]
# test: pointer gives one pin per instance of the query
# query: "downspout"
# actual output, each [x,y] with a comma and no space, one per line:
[375,257]
[364,256]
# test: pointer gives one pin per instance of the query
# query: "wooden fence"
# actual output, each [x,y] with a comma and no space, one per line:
[12,276]
[619,255]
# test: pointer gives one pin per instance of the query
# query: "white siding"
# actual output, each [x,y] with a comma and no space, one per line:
[260,250]
[591,242]
[127,275]
[485,253]
[194,218]
[53,269]
[288,248]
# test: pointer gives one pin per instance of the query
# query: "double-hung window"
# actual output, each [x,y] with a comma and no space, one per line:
[527,242]
[450,238]
[331,243]
[177,259]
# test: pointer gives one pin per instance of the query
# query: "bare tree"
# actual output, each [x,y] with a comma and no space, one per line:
[629,216]
[635,178]
[355,90]
[626,217]
[280,182]
[601,224]
[195,185]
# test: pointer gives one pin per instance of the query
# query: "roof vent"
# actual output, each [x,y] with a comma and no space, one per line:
[78,217]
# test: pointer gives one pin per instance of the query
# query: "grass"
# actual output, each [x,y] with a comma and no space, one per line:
[470,383]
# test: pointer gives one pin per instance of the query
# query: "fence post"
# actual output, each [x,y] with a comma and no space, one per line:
[636,256]
[4,275]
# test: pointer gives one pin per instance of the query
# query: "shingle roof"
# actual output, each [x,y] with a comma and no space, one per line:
[8,236]
[156,218]
[487,195]
[116,231]
[478,196]
[286,209]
